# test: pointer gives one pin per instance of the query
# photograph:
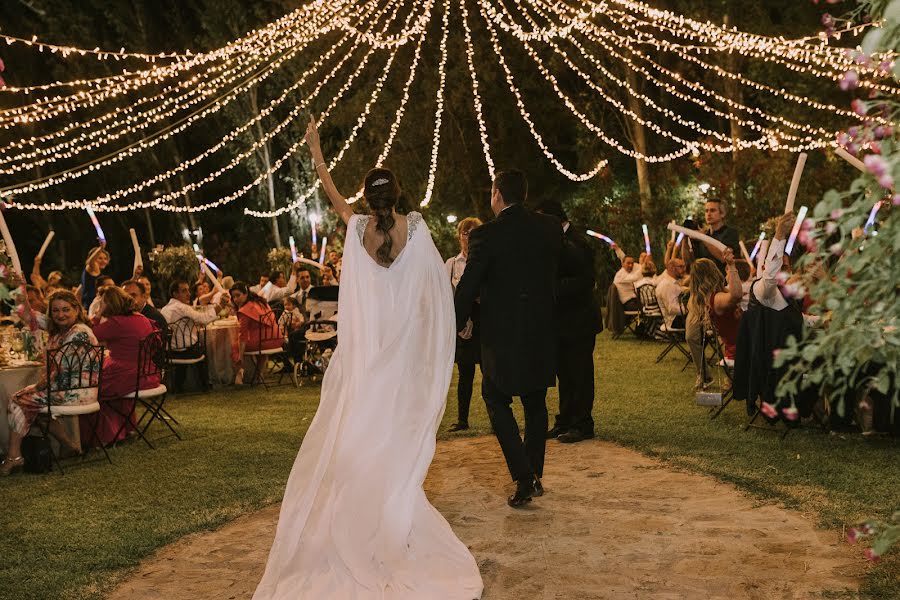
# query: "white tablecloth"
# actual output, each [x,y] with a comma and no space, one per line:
[221,337]
[12,379]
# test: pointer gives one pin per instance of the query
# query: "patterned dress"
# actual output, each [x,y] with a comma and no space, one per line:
[28,402]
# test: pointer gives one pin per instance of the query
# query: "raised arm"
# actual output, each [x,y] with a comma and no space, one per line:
[734,292]
[36,279]
[337,200]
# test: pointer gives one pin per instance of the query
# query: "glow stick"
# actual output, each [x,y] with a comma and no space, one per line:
[646,239]
[871,220]
[700,237]
[679,239]
[212,265]
[801,214]
[744,252]
[600,236]
[309,262]
[762,236]
[324,245]
[795,183]
[138,260]
[100,234]
[209,274]
[851,159]
[293,249]
[10,246]
[43,249]
[312,224]
[197,249]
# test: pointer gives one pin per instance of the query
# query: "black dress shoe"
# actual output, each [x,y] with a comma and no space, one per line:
[555,433]
[458,427]
[572,436]
[523,495]
[537,487]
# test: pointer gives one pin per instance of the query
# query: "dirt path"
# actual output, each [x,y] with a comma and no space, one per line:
[613,525]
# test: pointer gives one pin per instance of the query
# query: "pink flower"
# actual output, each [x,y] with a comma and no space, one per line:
[827,20]
[852,149]
[768,410]
[890,328]
[830,227]
[871,555]
[853,132]
[886,181]
[886,66]
[859,107]
[836,249]
[808,224]
[883,131]
[853,535]
[843,139]
[861,58]
[876,165]
[775,353]
[2,83]
[2,65]
[895,199]
[849,81]
[791,414]
[837,213]
[3,271]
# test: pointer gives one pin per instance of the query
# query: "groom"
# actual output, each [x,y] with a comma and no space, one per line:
[512,266]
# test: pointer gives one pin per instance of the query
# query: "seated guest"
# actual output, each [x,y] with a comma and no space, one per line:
[668,293]
[251,309]
[277,287]
[263,280]
[624,281]
[37,307]
[68,323]
[292,318]
[328,276]
[304,284]
[717,299]
[53,281]
[97,260]
[96,306]
[648,274]
[121,329]
[149,287]
[138,293]
[179,307]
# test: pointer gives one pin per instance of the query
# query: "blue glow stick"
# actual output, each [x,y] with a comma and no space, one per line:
[293,249]
[212,265]
[801,215]
[100,234]
[600,236]
[646,239]
[762,236]
[870,222]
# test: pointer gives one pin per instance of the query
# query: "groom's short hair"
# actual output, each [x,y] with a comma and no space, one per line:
[513,186]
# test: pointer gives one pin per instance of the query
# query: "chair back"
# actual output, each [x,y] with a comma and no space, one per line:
[151,356]
[269,329]
[186,334]
[72,367]
[647,296]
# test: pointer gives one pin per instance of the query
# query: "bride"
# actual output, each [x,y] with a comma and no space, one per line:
[355,523]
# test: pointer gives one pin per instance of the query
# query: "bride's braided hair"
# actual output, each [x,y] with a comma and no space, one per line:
[382,192]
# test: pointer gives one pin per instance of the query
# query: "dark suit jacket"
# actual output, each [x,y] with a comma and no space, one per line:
[512,267]
[578,312]
[155,317]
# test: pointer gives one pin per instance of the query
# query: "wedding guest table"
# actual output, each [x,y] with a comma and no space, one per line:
[13,377]
[222,344]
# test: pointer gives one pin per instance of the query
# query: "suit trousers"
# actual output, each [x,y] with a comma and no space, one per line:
[524,459]
[575,372]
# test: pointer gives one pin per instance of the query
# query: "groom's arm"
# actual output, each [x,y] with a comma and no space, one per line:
[470,284]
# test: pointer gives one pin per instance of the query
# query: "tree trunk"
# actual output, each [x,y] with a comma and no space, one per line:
[734,93]
[639,141]
[266,157]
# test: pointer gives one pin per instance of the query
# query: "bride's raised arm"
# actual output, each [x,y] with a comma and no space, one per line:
[337,200]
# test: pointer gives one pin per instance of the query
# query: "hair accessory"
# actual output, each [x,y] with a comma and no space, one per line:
[380,181]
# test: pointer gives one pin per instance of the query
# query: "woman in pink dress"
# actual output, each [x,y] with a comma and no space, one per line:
[121,330]
[719,298]
[251,310]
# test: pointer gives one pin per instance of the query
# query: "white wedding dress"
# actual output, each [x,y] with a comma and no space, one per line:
[355,523]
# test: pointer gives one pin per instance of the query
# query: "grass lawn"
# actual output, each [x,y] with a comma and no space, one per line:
[75,536]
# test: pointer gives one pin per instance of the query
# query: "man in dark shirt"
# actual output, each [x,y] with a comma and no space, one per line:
[138,292]
[715,213]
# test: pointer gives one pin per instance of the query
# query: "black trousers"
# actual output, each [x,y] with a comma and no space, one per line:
[576,384]
[524,459]
[464,391]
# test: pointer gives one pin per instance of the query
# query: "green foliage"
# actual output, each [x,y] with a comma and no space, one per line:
[174,262]
[279,259]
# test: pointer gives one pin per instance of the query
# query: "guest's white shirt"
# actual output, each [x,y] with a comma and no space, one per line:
[176,309]
[273,293]
[95,307]
[644,280]
[624,282]
[668,294]
[766,287]
[745,298]
[255,289]
[456,266]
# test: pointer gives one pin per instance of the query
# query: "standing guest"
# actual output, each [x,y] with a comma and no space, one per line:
[278,287]
[254,334]
[512,266]
[468,342]
[328,276]
[121,328]
[668,293]
[68,323]
[37,305]
[97,260]
[578,322]
[53,281]
[304,284]
[138,293]
[96,306]
[745,272]
[718,299]
[624,281]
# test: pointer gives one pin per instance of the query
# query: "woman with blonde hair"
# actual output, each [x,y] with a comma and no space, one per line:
[468,343]
[718,300]
[97,260]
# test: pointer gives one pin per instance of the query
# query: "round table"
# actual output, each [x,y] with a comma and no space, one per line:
[13,377]
[222,344]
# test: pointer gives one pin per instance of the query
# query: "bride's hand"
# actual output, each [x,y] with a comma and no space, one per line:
[312,134]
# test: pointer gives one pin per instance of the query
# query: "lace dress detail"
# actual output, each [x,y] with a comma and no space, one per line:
[413,220]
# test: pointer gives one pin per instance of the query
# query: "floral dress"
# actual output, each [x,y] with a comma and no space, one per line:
[30,401]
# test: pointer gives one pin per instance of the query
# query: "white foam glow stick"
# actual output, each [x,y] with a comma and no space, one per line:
[600,236]
[212,265]
[10,246]
[100,235]
[744,252]
[216,283]
[795,182]
[138,260]
[646,239]
[309,262]
[801,215]
[47,241]
[762,236]
[679,239]
[312,224]
[700,237]
[197,249]
[871,220]
[851,159]
[324,245]
[293,249]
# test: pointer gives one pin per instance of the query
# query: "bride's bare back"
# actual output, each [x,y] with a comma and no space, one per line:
[372,238]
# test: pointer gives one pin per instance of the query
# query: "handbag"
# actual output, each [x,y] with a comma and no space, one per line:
[37,454]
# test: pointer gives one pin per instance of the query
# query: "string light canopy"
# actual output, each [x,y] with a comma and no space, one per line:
[59,139]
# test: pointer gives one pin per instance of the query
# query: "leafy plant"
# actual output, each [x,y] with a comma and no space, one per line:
[175,262]
[279,259]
